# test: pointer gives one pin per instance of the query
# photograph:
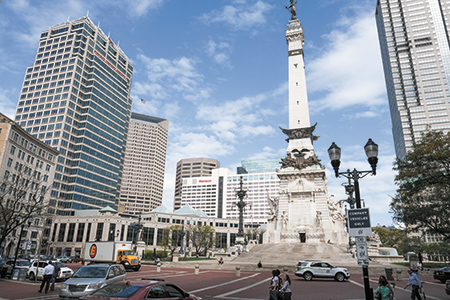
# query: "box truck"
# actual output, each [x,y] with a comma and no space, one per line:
[112,252]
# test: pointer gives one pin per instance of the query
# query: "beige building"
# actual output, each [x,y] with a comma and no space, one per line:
[26,164]
[190,168]
[69,234]
[144,164]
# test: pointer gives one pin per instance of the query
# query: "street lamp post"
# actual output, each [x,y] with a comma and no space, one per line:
[17,220]
[241,194]
[371,150]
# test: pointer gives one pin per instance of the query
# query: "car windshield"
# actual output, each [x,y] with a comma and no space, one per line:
[23,263]
[128,252]
[61,265]
[91,272]
[118,290]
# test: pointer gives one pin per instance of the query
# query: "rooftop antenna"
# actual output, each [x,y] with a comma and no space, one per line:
[68,18]
[98,26]
[118,44]
[87,13]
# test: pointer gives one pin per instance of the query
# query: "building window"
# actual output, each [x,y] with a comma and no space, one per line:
[80,232]
[71,232]
[99,233]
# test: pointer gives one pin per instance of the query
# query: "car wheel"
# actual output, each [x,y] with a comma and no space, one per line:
[339,277]
[31,276]
[308,276]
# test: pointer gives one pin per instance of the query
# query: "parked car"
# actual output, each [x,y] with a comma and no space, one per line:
[320,269]
[63,259]
[443,274]
[91,278]
[73,259]
[63,275]
[20,264]
[144,289]
[447,287]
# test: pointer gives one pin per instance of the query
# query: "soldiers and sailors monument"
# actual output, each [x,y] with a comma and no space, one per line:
[304,212]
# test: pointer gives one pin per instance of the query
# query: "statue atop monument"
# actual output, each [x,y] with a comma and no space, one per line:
[292,9]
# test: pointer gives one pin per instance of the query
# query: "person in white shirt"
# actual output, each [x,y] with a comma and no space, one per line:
[47,276]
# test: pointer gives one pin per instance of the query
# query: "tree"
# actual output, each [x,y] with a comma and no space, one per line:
[170,238]
[422,200]
[21,199]
[201,237]
[390,237]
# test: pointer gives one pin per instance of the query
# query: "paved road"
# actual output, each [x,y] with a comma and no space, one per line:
[224,284]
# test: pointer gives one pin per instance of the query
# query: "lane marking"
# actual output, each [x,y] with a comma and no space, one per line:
[226,283]
[243,289]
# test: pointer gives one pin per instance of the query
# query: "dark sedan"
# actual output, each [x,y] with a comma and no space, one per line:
[144,289]
[443,274]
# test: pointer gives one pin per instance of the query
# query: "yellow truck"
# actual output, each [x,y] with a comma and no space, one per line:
[112,252]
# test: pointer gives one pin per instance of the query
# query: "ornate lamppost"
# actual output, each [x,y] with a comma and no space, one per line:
[241,194]
[371,150]
[18,220]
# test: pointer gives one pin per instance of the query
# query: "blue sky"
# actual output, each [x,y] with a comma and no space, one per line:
[218,71]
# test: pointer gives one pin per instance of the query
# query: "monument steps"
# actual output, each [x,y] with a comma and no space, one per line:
[291,253]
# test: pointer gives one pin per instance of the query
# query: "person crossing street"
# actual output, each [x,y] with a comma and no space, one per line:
[47,276]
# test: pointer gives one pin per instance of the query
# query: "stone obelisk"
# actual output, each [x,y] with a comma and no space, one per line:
[304,213]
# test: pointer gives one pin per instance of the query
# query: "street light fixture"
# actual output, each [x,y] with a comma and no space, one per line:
[18,220]
[371,150]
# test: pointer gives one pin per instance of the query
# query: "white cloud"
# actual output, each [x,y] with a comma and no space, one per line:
[244,15]
[220,52]
[167,77]
[7,107]
[349,72]
[141,7]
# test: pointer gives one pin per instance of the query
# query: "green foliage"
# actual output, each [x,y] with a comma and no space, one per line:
[390,237]
[422,200]
[411,244]
[170,238]
[200,237]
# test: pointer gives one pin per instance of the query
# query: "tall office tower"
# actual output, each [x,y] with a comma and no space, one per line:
[192,167]
[76,98]
[415,49]
[145,161]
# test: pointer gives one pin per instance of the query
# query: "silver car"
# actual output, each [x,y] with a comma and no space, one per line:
[310,269]
[91,278]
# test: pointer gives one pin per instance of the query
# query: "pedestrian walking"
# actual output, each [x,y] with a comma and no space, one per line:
[55,275]
[285,291]
[274,285]
[415,284]
[382,279]
[47,276]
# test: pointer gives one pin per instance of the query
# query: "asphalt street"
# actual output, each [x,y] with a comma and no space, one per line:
[217,284]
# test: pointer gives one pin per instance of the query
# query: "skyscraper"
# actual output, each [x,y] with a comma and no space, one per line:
[192,167]
[145,161]
[75,97]
[415,49]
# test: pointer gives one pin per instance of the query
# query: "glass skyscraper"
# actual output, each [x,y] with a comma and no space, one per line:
[76,98]
[415,49]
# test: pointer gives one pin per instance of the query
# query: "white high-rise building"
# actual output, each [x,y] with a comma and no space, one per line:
[216,194]
[145,161]
[191,168]
[415,48]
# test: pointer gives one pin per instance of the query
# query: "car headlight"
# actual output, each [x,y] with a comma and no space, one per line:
[127,263]
[94,286]
[64,286]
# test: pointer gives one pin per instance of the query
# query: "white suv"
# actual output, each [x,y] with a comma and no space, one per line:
[32,272]
[310,269]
